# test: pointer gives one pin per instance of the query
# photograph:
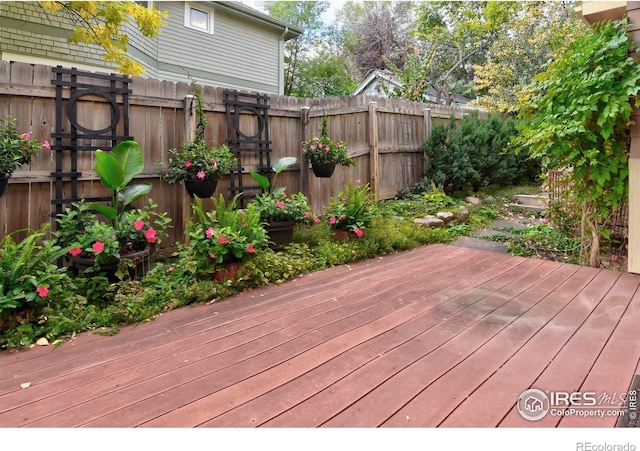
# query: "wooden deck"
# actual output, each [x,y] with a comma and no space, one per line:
[436,336]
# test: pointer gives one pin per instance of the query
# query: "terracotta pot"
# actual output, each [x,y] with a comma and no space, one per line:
[201,188]
[230,271]
[280,233]
[323,170]
[344,235]
[3,184]
[140,259]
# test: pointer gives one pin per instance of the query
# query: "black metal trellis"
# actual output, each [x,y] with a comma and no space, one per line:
[79,138]
[247,146]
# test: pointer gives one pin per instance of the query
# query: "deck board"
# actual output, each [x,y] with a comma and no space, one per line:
[439,336]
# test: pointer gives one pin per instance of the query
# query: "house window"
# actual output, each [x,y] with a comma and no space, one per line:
[198,18]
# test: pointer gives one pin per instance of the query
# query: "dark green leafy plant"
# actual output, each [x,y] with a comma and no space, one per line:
[352,210]
[16,149]
[28,271]
[322,149]
[576,117]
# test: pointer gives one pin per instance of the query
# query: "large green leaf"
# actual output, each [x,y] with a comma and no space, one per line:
[108,211]
[283,163]
[129,154]
[261,179]
[133,192]
[109,169]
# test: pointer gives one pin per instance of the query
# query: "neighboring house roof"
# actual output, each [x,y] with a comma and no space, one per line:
[379,81]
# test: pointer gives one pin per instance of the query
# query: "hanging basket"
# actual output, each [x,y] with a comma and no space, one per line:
[201,188]
[323,170]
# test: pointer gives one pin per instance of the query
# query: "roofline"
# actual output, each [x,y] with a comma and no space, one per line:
[373,75]
[290,31]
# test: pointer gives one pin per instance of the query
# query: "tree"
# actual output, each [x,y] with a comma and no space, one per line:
[324,74]
[306,15]
[453,37]
[376,35]
[576,118]
[100,23]
[522,49]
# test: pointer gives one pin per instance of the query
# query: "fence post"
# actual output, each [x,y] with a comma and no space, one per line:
[304,170]
[426,113]
[189,135]
[373,153]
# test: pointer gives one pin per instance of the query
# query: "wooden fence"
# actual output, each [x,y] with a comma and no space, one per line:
[384,136]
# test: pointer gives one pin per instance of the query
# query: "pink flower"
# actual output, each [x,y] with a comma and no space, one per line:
[139,224]
[188,164]
[307,215]
[42,291]
[212,255]
[209,232]
[46,145]
[215,166]
[316,219]
[342,217]
[358,231]
[98,247]
[332,220]
[223,240]
[201,175]
[280,204]
[75,251]
[312,147]
[320,146]
[25,136]
[250,248]
[150,235]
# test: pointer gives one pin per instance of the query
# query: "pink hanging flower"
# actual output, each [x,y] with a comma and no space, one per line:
[312,147]
[139,224]
[98,247]
[358,231]
[150,235]
[75,251]
[42,291]
[215,166]
[209,232]
[250,248]
[46,145]
[201,175]
[188,164]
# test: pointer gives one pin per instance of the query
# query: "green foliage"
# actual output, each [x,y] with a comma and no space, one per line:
[352,210]
[476,154]
[15,149]
[224,234]
[543,241]
[100,23]
[323,149]
[577,116]
[28,272]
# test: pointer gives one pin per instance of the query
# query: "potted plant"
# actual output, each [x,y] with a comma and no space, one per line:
[129,236]
[222,239]
[15,150]
[281,212]
[351,212]
[197,165]
[324,153]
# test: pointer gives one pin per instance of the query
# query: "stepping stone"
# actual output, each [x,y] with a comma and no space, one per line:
[480,244]
[490,233]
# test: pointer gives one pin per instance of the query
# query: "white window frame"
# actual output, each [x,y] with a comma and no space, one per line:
[187,18]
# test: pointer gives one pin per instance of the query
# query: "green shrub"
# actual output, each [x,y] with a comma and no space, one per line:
[476,154]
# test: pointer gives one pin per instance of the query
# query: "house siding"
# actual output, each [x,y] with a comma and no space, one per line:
[238,54]
[27,31]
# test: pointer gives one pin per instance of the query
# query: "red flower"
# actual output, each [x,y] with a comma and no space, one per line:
[223,240]
[332,220]
[209,232]
[280,204]
[98,247]
[42,291]
[138,225]
[358,231]
[75,251]
[188,164]
[250,248]
[150,235]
